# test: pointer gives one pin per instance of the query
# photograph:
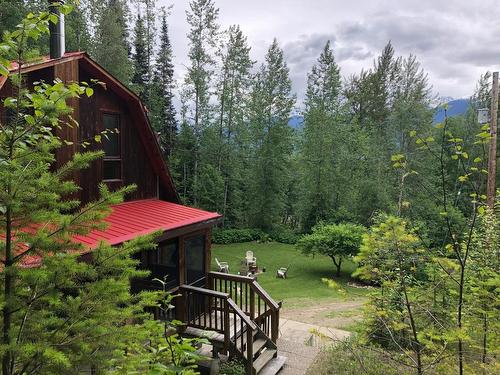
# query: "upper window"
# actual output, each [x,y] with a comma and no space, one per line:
[112,147]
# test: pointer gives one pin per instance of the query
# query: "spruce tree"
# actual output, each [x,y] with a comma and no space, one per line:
[163,112]
[271,138]
[233,90]
[202,18]
[59,313]
[112,49]
[321,147]
[140,78]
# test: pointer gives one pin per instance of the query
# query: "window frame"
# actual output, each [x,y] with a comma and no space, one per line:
[119,158]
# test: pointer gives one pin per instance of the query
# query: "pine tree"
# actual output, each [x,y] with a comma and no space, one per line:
[230,129]
[112,49]
[59,313]
[161,101]
[150,17]
[202,18]
[321,144]
[271,138]
[11,13]
[140,78]
[78,36]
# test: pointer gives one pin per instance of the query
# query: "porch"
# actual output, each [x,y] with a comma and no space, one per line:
[237,316]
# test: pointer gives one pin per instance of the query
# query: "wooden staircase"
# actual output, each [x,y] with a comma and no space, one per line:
[239,319]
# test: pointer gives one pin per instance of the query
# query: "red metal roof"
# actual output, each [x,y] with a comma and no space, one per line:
[137,218]
[133,219]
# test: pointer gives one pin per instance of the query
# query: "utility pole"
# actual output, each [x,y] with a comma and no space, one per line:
[492,162]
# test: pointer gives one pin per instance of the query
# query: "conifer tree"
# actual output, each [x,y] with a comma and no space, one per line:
[202,18]
[162,107]
[140,78]
[271,103]
[150,17]
[320,139]
[112,49]
[59,313]
[231,127]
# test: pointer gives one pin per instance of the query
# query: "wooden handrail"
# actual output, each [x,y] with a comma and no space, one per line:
[265,296]
[241,314]
[254,285]
[206,292]
[230,276]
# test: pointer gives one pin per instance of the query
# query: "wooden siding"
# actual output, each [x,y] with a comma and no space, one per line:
[136,167]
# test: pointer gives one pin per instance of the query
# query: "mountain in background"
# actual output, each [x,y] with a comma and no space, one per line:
[456,107]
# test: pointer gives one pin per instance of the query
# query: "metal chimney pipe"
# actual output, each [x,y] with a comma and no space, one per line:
[57,32]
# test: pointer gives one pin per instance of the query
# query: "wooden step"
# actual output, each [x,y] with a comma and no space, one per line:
[262,360]
[273,366]
[258,345]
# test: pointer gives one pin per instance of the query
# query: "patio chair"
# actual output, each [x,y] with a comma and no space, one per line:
[223,266]
[251,260]
[282,272]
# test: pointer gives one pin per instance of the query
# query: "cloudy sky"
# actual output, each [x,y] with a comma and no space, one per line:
[455,40]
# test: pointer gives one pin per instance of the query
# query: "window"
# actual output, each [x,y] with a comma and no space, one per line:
[163,262]
[112,169]
[195,258]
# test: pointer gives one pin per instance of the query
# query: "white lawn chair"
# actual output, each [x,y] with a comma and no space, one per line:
[282,272]
[223,266]
[251,260]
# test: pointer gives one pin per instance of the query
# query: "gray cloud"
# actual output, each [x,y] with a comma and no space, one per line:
[455,41]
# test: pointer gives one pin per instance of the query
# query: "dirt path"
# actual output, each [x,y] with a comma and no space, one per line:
[343,314]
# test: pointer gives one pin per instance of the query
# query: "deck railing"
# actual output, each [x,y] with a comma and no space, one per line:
[251,298]
[216,311]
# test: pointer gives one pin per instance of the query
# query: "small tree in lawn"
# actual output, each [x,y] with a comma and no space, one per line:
[60,314]
[337,241]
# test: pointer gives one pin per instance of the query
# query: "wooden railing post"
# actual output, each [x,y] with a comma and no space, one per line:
[249,350]
[227,328]
[275,326]
[252,304]
[181,306]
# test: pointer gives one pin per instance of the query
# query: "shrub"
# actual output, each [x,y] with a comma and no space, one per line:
[284,235]
[228,236]
[350,358]
[232,368]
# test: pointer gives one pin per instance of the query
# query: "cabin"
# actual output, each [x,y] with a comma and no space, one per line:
[234,312]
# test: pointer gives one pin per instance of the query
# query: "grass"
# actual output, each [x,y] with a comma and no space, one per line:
[304,275]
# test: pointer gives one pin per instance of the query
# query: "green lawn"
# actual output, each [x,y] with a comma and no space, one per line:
[304,275]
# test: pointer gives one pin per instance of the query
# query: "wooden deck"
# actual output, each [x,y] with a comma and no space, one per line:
[237,316]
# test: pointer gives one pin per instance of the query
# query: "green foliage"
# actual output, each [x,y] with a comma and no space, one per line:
[63,309]
[283,234]
[228,236]
[232,368]
[163,350]
[163,113]
[140,78]
[271,138]
[321,141]
[391,255]
[352,358]
[112,49]
[337,241]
